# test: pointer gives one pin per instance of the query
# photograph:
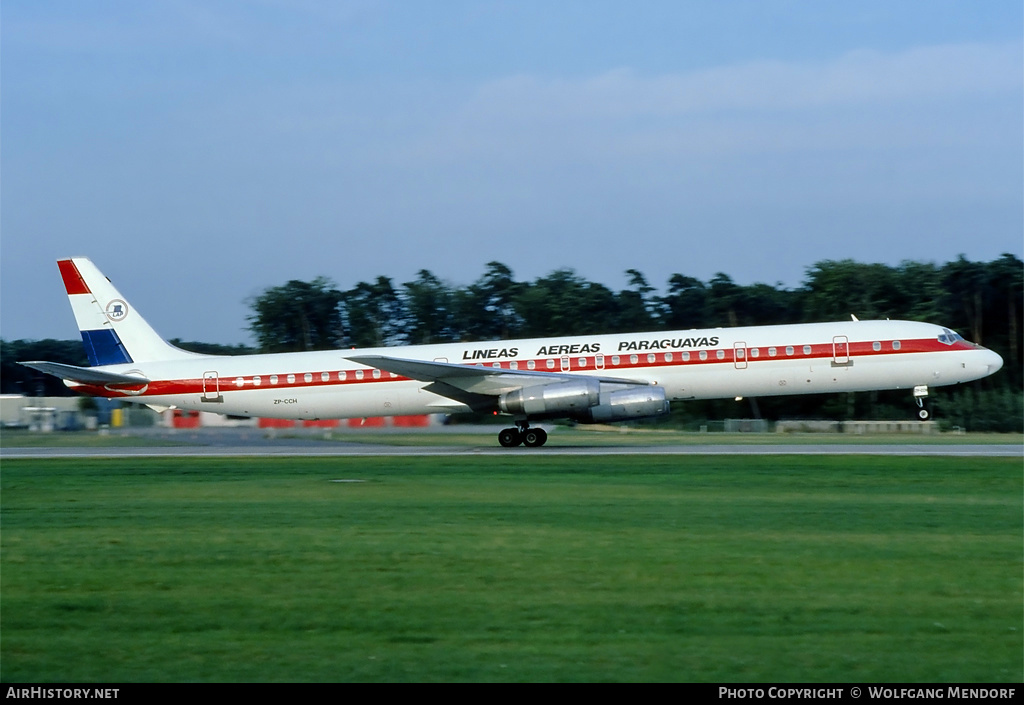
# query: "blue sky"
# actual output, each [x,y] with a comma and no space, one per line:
[201,151]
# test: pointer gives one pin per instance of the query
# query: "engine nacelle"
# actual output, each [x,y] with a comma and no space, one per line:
[626,404]
[582,400]
[552,400]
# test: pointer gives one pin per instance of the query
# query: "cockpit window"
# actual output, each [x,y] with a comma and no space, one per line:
[948,337]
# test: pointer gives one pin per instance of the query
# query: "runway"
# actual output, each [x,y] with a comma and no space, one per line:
[385,451]
[243,442]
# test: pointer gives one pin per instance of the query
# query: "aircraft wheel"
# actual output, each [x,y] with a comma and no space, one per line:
[534,437]
[923,414]
[509,437]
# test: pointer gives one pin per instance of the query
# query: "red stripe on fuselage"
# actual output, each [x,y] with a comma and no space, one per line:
[73,282]
[819,352]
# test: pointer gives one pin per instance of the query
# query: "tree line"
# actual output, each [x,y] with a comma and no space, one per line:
[984,301]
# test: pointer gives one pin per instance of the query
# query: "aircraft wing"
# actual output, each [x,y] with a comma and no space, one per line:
[476,386]
[84,375]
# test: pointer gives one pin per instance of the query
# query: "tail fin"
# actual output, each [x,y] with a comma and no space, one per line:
[112,332]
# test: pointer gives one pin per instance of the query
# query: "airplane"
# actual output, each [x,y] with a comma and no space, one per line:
[588,379]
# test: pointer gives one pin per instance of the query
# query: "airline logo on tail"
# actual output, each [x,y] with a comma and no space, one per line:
[117,310]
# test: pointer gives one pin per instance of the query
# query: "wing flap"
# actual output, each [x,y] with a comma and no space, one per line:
[475,401]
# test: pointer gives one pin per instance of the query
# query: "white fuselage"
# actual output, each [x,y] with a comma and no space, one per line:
[695,364]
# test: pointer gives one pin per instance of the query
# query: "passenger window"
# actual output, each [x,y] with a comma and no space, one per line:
[341,376]
[807,350]
[668,357]
[291,379]
[772,352]
[896,345]
[703,355]
[876,346]
[256,381]
[551,364]
[308,377]
[376,374]
[720,354]
[273,379]
[531,365]
[651,357]
[789,349]
[359,374]
[686,357]
[754,352]
[582,362]
[615,360]
[633,359]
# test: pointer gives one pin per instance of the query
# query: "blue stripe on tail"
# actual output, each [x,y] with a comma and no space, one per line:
[104,347]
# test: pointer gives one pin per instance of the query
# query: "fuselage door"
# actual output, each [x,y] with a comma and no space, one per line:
[840,350]
[739,355]
[211,387]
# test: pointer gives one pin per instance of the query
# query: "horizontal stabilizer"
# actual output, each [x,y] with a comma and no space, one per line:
[84,375]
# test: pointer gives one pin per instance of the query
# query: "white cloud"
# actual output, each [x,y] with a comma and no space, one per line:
[856,78]
[761,105]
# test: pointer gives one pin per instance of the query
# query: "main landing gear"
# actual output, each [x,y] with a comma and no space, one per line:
[529,437]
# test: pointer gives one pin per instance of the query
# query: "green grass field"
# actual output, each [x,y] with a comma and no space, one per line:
[781,568]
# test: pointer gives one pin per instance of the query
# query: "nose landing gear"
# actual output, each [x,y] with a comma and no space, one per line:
[920,392]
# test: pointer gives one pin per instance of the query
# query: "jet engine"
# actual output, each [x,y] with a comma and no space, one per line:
[547,400]
[583,401]
[625,404]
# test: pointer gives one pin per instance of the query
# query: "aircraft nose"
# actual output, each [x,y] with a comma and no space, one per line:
[993,361]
